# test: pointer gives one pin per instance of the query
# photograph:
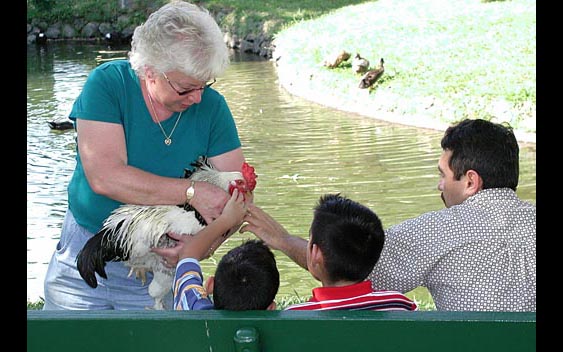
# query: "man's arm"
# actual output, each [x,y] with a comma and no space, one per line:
[275,235]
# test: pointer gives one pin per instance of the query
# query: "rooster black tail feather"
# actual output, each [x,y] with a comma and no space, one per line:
[90,260]
[93,257]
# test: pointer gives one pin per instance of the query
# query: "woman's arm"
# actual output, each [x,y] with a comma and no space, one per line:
[104,158]
[208,199]
[205,242]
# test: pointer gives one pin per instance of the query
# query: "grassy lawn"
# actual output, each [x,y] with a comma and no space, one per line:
[270,16]
[419,295]
[444,60]
[37,305]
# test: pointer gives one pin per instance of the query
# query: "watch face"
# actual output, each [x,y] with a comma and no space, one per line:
[190,192]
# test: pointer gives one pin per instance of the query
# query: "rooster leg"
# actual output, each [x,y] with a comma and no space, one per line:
[142,274]
[158,304]
[139,274]
[159,287]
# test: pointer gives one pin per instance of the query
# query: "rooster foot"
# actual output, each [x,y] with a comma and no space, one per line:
[139,274]
[158,305]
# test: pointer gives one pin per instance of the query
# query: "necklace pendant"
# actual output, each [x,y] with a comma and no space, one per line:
[167,138]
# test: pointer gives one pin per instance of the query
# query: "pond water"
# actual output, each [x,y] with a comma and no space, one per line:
[300,150]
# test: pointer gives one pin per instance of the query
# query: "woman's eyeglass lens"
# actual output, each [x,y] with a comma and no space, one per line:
[208,84]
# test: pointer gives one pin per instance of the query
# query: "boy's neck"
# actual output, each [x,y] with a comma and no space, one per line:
[327,283]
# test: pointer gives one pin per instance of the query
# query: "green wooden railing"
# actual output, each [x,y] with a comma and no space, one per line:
[271,331]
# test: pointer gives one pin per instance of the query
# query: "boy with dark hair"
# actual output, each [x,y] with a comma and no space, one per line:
[246,277]
[345,241]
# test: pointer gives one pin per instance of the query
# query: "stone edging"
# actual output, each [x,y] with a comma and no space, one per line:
[41,32]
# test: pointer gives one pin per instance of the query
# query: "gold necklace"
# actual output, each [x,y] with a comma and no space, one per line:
[167,138]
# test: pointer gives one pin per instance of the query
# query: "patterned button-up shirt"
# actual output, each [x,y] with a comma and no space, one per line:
[479,255]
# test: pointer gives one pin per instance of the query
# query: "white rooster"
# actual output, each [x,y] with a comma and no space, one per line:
[131,231]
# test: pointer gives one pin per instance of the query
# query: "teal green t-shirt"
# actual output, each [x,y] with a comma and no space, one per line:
[112,94]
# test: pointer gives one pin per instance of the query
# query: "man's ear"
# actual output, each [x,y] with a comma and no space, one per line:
[208,285]
[474,183]
[272,306]
[316,255]
[316,265]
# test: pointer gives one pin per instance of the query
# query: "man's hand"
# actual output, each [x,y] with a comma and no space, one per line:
[275,235]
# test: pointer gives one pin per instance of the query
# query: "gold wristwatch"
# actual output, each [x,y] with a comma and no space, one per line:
[190,192]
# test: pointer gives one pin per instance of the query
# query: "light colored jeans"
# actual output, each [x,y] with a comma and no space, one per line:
[65,288]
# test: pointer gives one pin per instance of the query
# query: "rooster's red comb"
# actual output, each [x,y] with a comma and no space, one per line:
[249,176]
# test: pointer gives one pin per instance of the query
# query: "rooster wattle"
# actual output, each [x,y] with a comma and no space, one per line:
[131,231]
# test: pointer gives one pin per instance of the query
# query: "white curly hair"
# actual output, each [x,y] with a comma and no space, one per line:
[180,37]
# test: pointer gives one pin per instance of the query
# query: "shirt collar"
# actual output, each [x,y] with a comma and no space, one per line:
[341,292]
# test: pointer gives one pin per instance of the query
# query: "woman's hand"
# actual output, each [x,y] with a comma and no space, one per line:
[203,244]
[209,200]
[170,255]
[234,212]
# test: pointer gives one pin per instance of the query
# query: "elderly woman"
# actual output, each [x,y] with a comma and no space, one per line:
[140,123]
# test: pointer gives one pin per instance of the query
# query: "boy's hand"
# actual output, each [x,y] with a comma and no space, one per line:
[203,244]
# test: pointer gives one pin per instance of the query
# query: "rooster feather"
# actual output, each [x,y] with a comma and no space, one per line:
[130,232]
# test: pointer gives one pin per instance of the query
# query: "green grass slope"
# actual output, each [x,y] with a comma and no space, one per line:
[444,61]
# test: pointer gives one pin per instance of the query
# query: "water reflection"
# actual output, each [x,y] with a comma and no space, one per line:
[300,150]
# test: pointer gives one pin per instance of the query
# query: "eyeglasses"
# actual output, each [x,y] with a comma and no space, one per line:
[188,91]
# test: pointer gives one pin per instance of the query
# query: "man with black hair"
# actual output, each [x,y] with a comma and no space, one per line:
[476,254]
